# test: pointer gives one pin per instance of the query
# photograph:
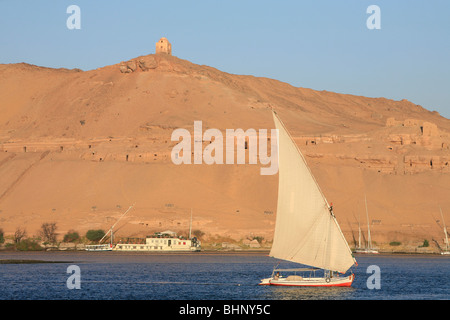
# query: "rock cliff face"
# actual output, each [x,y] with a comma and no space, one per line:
[402,147]
[77,148]
[144,64]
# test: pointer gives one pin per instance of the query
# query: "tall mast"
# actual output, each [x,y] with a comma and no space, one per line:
[111,229]
[445,230]
[359,235]
[359,229]
[190,226]
[369,241]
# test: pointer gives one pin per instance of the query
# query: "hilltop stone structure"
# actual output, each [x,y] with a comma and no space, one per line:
[163,46]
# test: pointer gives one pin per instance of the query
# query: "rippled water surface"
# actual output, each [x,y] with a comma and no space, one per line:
[205,276]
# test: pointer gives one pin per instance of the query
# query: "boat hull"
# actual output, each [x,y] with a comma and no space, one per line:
[99,247]
[368,251]
[310,282]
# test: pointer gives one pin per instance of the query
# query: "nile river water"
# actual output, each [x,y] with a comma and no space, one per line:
[210,276]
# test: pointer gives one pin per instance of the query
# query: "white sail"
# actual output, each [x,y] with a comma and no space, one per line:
[306,231]
[369,239]
[445,231]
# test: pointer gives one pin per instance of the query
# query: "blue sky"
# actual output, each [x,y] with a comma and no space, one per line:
[323,45]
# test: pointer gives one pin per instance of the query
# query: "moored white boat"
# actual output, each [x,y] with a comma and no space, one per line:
[110,246]
[446,251]
[368,249]
[164,241]
[99,247]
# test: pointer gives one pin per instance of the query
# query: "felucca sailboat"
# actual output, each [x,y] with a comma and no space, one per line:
[107,247]
[306,230]
[368,248]
[446,251]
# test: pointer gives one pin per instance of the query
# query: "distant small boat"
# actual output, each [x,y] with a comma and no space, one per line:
[446,251]
[110,246]
[368,248]
[99,247]
[306,230]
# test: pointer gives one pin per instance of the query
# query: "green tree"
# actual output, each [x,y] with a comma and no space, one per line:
[198,233]
[71,236]
[28,245]
[95,235]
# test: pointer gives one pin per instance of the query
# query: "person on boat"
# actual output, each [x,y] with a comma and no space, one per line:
[277,276]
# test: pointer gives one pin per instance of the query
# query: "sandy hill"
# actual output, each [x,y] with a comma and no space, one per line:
[79,147]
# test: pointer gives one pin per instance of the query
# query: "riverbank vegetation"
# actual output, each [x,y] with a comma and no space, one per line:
[47,239]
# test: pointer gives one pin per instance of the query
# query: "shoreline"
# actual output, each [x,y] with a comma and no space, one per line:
[202,252]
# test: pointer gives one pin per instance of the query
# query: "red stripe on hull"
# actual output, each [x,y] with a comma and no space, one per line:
[287,284]
[346,284]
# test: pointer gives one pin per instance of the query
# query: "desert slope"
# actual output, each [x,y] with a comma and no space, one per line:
[78,147]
